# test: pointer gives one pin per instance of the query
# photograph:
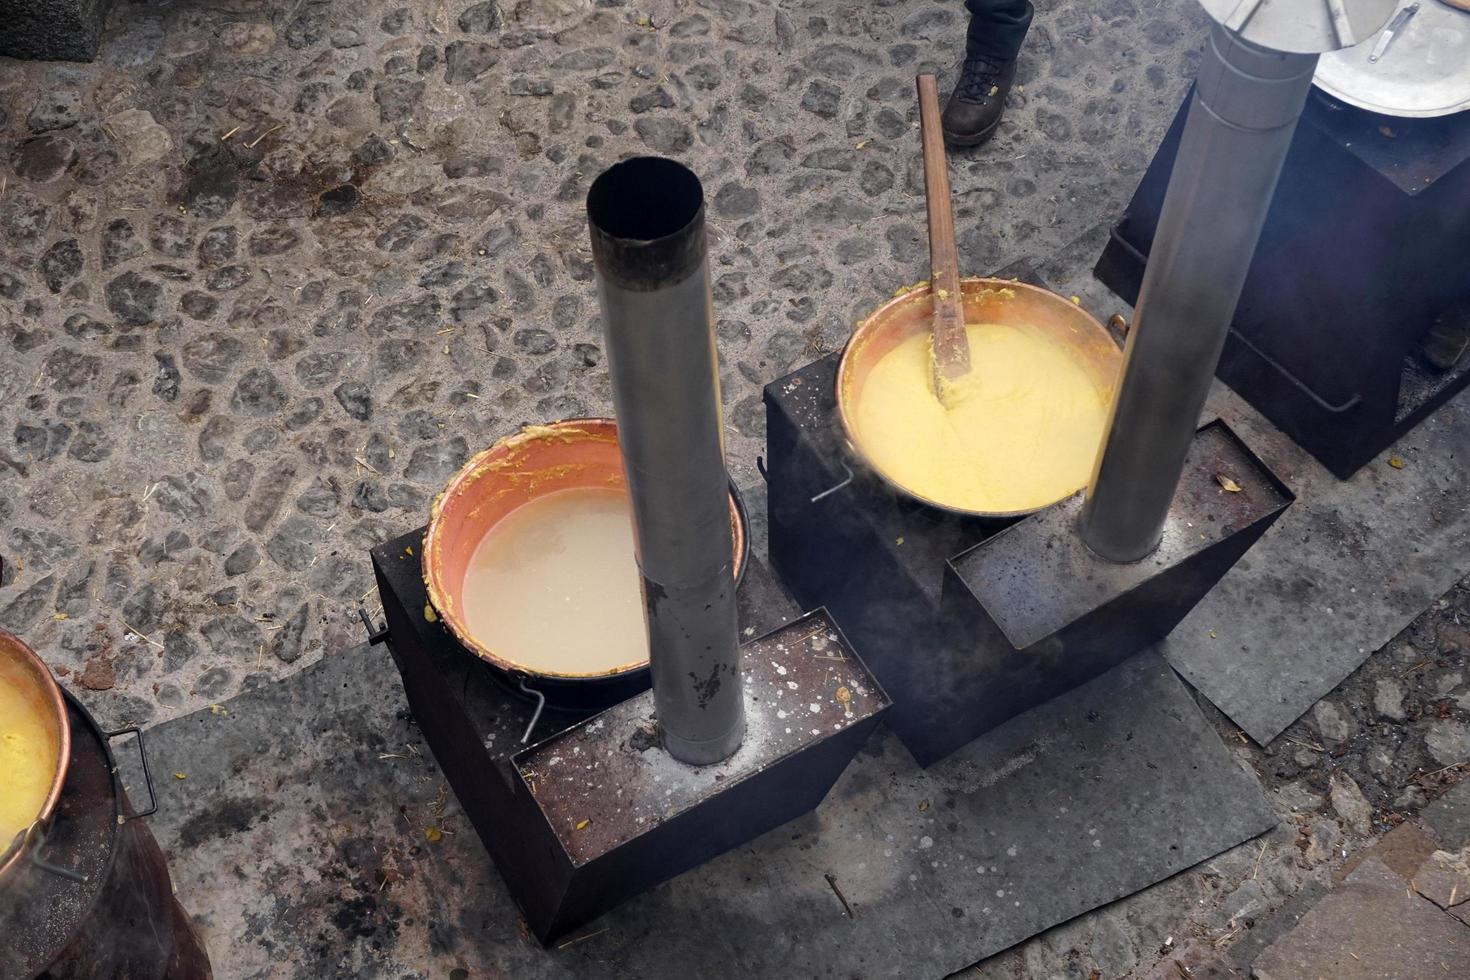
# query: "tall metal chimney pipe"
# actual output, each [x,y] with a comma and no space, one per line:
[648,246]
[1246,104]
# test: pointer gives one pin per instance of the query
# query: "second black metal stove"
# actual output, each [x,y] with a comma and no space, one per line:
[1365,243]
[965,636]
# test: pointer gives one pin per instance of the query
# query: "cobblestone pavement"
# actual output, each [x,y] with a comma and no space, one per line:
[270,272]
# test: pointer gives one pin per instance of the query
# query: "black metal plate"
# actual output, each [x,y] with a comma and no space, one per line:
[300,837]
[1038,577]
[802,683]
[1412,153]
[1347,567]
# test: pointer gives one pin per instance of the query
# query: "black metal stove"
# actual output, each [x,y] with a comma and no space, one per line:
[541,812]
[968,622]
[618,803]
[1364,244]
[733,738]
[96,903]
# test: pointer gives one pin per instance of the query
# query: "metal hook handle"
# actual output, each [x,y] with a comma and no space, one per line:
[60,872]
[147,776]
[831,490]
[34,837]
[535,715]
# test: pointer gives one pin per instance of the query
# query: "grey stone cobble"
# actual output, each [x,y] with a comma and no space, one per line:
[269,274]
[253,251]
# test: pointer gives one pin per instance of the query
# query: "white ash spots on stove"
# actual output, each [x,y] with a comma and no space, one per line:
[634,790]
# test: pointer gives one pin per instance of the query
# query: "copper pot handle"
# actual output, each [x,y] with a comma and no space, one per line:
[535,715]
[39,832]
[837,486]
[760,464]
[147,776]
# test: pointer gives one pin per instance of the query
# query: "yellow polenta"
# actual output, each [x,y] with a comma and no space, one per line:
[28,747]
[1020,430]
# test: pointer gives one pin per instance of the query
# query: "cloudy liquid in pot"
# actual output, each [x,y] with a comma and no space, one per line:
[554,585]
[27,756]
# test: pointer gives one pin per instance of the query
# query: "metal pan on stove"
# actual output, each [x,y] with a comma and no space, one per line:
[1423,71]
[537,461]
[996,301]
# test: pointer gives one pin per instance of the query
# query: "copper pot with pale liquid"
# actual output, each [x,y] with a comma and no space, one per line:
[523,469]
[1085,342]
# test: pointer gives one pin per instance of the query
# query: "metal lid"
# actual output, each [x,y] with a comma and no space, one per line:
[1302,26]
[1424,71]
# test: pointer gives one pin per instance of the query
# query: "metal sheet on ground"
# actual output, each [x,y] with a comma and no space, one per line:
[312,835]
[1345,569]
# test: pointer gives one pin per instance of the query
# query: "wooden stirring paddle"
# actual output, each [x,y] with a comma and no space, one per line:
[951,346]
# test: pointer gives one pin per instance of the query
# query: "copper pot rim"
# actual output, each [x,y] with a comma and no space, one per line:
[902,298]
[596,427]
[13,647]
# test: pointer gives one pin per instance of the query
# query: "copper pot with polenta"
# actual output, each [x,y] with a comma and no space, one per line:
[1017,433]
[35,746]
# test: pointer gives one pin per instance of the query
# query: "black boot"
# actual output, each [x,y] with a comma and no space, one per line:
[978,100]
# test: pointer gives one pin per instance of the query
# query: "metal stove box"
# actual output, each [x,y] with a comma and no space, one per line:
[964,622]
[1365,243]
[598,812]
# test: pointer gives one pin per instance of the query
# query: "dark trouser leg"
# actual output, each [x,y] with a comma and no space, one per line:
[997,28]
